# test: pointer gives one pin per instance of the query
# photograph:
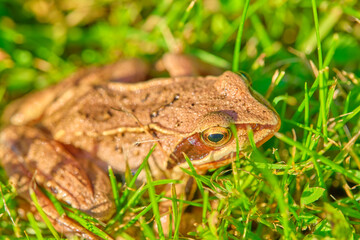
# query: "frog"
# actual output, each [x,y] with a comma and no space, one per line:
[63,139]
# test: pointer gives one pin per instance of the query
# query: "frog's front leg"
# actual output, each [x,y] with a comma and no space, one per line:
[31,159]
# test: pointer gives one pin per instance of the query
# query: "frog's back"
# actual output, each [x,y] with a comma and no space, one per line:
[104,107]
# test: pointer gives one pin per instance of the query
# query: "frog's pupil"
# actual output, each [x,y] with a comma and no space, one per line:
[215,137]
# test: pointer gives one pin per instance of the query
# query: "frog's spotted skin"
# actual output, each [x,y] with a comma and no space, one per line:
[85,124]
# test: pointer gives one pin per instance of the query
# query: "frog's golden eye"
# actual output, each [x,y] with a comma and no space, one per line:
[216,136]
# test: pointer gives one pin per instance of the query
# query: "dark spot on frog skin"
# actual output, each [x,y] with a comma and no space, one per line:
[53,190]
[98,113]
[109,113]
[156,112]
[153,133]
[118,148]
[146,97]
[178,123]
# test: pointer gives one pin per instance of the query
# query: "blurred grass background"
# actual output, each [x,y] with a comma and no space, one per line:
[43,41]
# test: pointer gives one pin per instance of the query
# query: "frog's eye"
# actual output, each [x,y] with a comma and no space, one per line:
[216,136]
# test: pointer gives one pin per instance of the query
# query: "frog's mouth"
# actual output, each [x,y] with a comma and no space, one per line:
[206,157]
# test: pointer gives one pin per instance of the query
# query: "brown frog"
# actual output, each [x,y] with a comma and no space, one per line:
[65,137]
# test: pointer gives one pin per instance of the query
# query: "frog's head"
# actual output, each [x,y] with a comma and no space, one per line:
[213,143]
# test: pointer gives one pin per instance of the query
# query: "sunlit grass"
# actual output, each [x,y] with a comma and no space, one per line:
[235,66]
[43,214]
[303,56]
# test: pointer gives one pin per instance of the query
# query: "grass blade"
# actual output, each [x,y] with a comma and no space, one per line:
[315,155]
[195,175]
[125,194]
[114,187]
[236,56]
[176,213]
[146,229]
[137,217]
[152,195]
[186,15]
[137,173]
[89,226]
[205,206]
[34,225]
[275,186]
[322,80]
[43,214]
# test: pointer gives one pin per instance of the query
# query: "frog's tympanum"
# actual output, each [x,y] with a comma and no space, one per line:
[65,137]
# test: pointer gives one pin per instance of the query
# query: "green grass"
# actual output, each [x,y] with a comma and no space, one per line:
[302,55]
[43,214]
